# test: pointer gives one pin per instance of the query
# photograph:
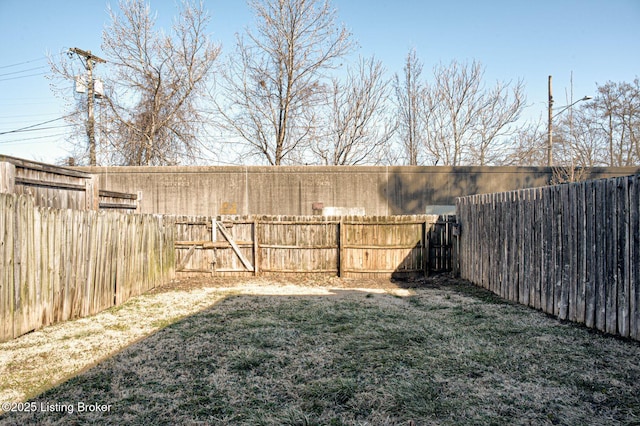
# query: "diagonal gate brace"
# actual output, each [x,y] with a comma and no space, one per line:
[182,264]
[234,246]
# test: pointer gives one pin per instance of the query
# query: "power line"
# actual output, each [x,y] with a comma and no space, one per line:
[24,129]
[12,141]
[23,63]
[15,123]
[41,128]
[28,69]
[6,117]
[24,76]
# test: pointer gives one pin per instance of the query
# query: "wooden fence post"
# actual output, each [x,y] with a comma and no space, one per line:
[7,254]
[455,247]
[341,236]
[92,193]
[7,177]
[256,247]
[425,248]
[634,256]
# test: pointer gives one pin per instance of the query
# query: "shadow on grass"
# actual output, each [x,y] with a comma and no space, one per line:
[446,281]
[447,354]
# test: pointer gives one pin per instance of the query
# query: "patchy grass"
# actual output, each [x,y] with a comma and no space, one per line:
[449,354]
[37,361]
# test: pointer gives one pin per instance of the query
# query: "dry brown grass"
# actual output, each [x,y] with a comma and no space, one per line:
[263,352]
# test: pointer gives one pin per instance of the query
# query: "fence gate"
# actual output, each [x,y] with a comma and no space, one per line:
[357,247]
[442,250]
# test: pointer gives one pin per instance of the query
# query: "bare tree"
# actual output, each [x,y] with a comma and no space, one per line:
[502,108]
[359,127]
[465,123]
[276,80]
[580,140]
[526,146]
[617,108]
[409,93]
[155,84]
[574,148]
[602,132]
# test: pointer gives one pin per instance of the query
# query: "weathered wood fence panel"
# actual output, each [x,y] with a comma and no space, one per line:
[353,246]
[570,250]
[57,264]
[60,187]
[193,234]
[385,246]
[117,201]
[297,244]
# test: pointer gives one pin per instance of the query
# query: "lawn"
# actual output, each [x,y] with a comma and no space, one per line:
[444,352]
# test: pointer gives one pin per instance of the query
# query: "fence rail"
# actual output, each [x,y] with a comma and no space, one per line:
[61,264]
[354,246]
[571,250]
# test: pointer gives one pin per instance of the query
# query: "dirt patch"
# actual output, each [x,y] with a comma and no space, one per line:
[325,281]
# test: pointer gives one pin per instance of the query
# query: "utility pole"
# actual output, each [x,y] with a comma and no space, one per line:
[90,61]
[550,129]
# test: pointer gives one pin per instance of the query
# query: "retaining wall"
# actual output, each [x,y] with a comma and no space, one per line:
[305,190]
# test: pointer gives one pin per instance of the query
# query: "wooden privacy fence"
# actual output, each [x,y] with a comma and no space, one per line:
[61,264]
[354,246]
[60,187]
[571,250]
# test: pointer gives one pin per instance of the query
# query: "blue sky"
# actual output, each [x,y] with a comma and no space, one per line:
[595,40]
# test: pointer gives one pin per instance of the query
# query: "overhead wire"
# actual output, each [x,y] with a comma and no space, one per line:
[23,116]
[15,141]
[21,71]
[24,70]
[27,128]
[41,128]
[42,58]
[24,76]
[8,74]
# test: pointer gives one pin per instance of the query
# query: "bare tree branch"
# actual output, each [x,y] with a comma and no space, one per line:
[275,80]
[359,127]
[156,84]
[466,123]
[409,93]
